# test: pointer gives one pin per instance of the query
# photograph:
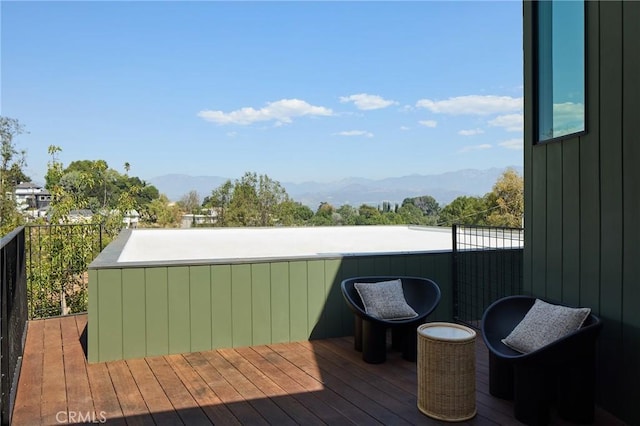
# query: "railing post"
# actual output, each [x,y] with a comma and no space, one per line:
[454,271]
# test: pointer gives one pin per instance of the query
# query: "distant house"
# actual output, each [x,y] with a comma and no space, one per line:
[131,218]
[31,199]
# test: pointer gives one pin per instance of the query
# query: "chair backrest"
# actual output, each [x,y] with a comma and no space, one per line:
[422,294]
[502,316]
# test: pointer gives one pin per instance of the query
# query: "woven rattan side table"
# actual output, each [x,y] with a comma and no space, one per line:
[447,371]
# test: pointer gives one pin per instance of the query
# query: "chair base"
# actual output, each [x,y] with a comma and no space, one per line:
[535,387]
[370,338]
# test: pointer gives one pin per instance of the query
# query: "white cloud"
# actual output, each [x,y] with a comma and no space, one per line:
[405,128]
[355,133]
[470,132]
[232,134]
[512,144]
[365,101]
[473,105]
[282,112]
[428,123]
[510,122]
[472,148]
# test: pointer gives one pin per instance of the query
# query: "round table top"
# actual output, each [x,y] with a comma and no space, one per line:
[446,331]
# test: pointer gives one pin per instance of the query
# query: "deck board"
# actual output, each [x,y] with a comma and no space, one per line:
[312,383]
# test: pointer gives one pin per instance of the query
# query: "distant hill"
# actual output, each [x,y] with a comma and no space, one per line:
[355,191]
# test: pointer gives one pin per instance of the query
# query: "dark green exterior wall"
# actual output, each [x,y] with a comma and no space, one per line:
[582,200]
[157,310]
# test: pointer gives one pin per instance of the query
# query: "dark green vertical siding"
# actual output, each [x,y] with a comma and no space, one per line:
[631,206]
[589,217]
[553,219]
[570,228]
[582,198]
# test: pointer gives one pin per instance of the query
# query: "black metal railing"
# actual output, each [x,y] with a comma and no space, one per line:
[487,265]
[13,316]
[58,257]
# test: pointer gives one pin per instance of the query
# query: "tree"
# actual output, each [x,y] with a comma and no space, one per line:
[426,203]
[324,215]
[293,213]
[11,163]
[348,214]
[270,195]
[411,214]
[255,201]
[243,207]
[190,202]
[162,213]
[369,215]
[465,210]
[219,200]
[506,200]
[102,187]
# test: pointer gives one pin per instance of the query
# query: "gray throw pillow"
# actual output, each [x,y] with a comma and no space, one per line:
[544,324]
[385,300]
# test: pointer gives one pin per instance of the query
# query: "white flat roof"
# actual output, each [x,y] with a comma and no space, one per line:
[171,245]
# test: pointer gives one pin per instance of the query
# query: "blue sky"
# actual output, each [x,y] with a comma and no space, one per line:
[295,90]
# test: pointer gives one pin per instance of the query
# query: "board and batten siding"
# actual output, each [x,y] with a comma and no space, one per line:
[582,200]
[157,310]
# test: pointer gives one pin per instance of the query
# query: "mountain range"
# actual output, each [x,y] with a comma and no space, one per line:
[355,191]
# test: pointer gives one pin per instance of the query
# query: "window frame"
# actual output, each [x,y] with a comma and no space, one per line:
[536,79]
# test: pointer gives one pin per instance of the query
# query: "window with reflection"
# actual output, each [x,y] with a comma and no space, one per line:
[560,60]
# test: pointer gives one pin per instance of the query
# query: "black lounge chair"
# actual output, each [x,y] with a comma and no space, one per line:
[562,372]
[422,294]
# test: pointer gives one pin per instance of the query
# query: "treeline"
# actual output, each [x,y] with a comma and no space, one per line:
[257,200]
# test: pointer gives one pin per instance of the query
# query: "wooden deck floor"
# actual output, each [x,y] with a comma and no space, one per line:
[317,382]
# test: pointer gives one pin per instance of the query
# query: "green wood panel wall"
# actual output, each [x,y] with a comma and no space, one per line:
[298,308]
[110,319]
[222,325]
[335,306]
[316,298]
[241,305]
[133,313]
[175,309]
[93,349]
[157,311]
[261,303]
[178,291]
[590,185]
[280,302]
[200,308]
